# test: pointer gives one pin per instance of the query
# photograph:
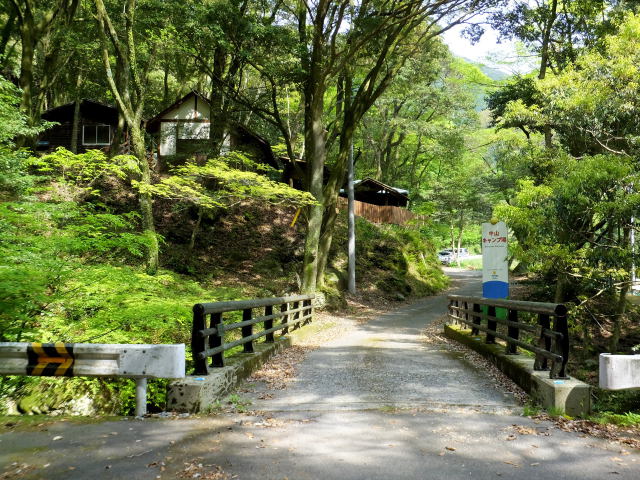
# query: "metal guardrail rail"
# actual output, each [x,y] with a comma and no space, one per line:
[139,362]
[208,342]
[551,341]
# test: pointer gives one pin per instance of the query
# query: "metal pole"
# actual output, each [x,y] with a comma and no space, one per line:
[352,225]
[632,240]
[141,397]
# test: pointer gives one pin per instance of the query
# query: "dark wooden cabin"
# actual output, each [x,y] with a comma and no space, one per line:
[96,129]
[377,193]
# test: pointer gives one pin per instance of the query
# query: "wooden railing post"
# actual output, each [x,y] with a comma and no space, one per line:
[513,332]
[308,310]
[476,318]
[456,304]
[268,310]
[215,340]
[247,330]
[544,342]
[198,341]
[296,316]
[560,325]
[491,324]
[285,318]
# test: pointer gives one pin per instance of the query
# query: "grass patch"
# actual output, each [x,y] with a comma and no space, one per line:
[470,264]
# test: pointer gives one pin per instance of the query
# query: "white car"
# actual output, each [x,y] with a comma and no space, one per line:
[448,255]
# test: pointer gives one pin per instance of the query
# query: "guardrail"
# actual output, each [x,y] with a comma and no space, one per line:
[549,343]
[95,360]
[208,342]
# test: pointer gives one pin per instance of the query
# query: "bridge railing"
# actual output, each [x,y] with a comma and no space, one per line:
[209,342]
[503,319]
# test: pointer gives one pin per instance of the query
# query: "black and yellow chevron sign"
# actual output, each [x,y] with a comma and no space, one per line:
[50,359]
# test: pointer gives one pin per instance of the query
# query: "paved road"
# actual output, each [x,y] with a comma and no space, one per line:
[385,363]
[376,404]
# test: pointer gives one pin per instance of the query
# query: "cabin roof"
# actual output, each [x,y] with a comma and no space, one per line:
[370,184]
[152,124]
[88,108]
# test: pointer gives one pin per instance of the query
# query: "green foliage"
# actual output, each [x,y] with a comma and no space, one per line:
[558,220]
[83,171]
[220,182]
[14,178]
[628,419]
[393,258]
[238,403]
[594,104]
[43,246]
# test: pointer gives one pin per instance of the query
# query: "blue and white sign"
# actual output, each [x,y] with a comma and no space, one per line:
[495,267]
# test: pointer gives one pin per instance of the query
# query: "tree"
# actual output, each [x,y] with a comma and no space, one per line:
[382,39]
[574,216]
[36,21]
[128,87]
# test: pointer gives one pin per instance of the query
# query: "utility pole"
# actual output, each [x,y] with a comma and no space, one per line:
[352,225]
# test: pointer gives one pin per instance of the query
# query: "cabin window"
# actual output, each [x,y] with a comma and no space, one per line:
[193,131]
[96,134]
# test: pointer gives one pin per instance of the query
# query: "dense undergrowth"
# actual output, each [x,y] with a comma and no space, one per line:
[72,270]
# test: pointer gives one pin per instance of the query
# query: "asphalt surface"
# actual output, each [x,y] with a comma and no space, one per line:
[376,404]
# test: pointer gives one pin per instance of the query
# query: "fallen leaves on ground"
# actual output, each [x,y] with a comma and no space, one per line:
[281,368]
[16,470]
[196,469]
[522,430]
[624,435]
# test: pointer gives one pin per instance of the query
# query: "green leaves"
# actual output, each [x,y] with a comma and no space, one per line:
[218,184]
[83,171]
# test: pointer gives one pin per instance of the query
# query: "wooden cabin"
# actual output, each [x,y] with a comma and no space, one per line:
[377,193]
[96,126]
[182,131]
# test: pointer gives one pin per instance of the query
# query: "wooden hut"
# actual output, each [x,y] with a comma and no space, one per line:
[97,124]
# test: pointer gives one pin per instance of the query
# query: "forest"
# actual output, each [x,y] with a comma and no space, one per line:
[112,235]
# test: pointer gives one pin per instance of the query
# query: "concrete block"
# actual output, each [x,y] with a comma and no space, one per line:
[198,393]
[570,396]
[619,372]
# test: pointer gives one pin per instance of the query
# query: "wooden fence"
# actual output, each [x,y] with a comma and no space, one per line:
[504,319]
[295,310]
[382,213]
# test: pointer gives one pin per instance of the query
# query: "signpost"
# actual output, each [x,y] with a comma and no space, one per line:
[495,268]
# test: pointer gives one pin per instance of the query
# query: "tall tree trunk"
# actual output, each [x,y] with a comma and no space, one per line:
[544,59]
[315,146]
[75,129]
[26,69]
[6,35]
[331,193]
[217,116]
[145,200]
[129,95]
